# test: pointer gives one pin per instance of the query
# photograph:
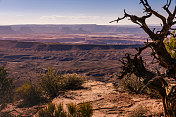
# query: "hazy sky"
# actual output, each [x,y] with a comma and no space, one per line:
[71,11]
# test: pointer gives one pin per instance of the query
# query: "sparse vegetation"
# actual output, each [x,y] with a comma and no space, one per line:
[50,83]
[30,94]
[6,88]
[134,84]
[86,109]
[53,83]
[52,111]
[72,81]
[72,109]
[82,110]
[140,111]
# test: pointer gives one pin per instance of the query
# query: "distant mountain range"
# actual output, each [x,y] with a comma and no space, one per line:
[71,29]
[76,34]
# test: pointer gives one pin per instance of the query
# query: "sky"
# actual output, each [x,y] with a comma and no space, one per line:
[98,12]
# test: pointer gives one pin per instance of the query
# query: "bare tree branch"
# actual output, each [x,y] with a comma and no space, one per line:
[148,9]
[118,19]
[166,7]
[174,23]
[137,20]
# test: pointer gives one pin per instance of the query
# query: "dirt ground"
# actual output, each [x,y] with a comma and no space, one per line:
[106,101]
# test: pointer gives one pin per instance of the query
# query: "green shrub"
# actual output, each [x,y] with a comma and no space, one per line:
[53,84]
[6,87]
[30,94]
[52,111]
[82,110]
[170,44]
[86,109]
[72,81]
[72,109]
[50,83]
[59,112]
[133,84]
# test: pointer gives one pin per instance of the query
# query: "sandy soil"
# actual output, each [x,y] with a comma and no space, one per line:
[106,101]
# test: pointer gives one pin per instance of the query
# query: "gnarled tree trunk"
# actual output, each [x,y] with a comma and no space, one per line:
[135,64]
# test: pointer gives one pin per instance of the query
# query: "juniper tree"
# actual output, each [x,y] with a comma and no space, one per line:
[134,64]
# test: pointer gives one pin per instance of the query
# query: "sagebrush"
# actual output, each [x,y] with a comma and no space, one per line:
[82,110]
[52,83]
[134,84]
[30,94]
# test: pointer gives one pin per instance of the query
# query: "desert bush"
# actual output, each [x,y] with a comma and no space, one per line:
[59,112]
[132,84]
[82,110]
[6,87]
[140,111]
[52,111]
[72,109]
[50,83]
[135,85]
[53,83]
[85,109]
[30,94]
[72,81]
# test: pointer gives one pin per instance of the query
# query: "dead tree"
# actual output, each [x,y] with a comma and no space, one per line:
[134,64]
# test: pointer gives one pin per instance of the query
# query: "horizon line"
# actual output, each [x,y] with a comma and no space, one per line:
[81,24]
